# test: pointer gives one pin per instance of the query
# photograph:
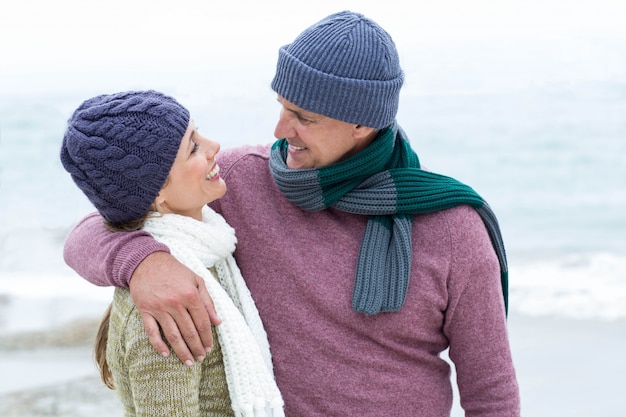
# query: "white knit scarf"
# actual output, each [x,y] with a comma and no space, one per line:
[247,358]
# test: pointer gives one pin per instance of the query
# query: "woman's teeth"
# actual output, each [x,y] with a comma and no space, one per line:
[213,172]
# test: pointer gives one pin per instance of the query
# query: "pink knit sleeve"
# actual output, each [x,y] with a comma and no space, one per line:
[476,323]
[107,258]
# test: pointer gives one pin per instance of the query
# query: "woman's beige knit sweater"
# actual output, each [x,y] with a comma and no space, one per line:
[199,390]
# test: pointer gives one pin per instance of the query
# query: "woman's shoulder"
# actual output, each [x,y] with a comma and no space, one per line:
[124,313]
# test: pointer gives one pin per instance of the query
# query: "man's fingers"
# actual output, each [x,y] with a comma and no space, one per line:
[176,341]
[154,334]
[186,349]
[199,316]
[169,295]
[184,334]
[208,304]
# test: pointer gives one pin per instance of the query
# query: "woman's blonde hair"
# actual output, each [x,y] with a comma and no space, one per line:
[100,349]
[102,336]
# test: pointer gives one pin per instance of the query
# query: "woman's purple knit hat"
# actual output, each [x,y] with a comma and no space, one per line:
[119,149]
[345,67]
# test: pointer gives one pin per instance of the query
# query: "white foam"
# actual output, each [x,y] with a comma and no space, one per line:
[580,286]
[31,303]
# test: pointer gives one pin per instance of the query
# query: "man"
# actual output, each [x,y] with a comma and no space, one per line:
[364,267]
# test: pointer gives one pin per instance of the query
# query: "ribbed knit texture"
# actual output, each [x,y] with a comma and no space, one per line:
[385,182]
[247,359]
[119,149]
[345,67]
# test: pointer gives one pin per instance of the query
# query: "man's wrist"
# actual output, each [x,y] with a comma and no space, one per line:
[132,258]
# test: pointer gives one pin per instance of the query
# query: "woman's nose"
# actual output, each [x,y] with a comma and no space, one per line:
[213,149]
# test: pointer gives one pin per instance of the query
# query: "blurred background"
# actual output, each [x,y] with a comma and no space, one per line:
[523,100]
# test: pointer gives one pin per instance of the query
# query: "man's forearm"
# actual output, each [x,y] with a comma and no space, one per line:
[107,258]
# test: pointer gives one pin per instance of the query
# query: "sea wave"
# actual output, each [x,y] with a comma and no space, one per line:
[580,286]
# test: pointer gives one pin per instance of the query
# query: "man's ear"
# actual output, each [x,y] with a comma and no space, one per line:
[361,131]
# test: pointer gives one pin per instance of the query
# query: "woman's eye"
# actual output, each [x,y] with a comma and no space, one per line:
[195,147]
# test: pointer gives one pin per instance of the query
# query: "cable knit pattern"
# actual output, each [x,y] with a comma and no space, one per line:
[247,359]
[119,149]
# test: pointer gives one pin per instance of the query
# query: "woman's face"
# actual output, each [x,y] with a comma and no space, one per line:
[194,179]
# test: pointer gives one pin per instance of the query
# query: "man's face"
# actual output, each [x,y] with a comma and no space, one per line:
[315,140]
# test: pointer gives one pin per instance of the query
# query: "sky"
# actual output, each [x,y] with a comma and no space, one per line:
[59,44]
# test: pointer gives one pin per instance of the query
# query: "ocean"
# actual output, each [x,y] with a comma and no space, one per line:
[540,135]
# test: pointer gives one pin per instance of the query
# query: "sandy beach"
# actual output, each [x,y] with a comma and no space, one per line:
[53,374]
[569,368]
[565,368]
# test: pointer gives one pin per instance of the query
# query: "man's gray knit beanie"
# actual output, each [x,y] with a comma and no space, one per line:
[119,149]
[345,67]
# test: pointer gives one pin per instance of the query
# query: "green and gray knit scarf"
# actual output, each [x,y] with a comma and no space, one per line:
[385,182]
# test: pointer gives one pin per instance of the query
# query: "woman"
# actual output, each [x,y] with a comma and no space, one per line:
[141,161]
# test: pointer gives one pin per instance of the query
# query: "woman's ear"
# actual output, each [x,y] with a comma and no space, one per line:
[158,203]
